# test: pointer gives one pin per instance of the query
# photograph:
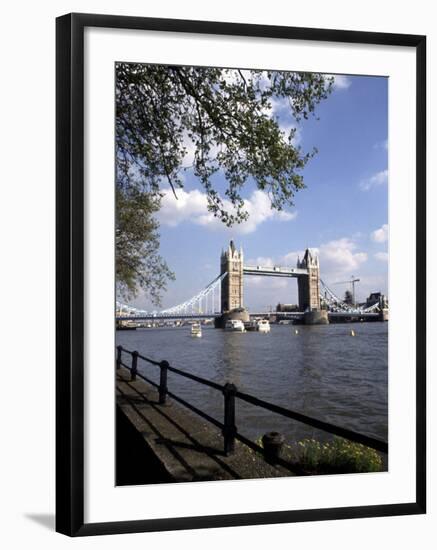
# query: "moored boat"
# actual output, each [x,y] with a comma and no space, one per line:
[263,326]
[235,325]
[251,326]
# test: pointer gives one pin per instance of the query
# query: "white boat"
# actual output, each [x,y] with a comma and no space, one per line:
[263,325]
[196,330]
[235,325]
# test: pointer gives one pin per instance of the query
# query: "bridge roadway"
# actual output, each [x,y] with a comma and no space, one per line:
[200,316]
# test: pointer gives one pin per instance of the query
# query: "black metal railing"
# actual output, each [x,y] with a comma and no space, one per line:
[230,394]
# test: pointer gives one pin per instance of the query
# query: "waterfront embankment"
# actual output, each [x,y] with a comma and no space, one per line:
[177,444]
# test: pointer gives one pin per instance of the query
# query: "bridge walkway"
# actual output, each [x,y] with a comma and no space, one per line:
[188,448]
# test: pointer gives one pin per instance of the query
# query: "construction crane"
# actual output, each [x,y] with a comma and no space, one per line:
[351,282]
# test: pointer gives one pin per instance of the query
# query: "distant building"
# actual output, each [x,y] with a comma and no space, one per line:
[377,298]
[348,297]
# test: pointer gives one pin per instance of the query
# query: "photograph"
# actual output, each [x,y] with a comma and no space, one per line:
[251,266]
[220,217]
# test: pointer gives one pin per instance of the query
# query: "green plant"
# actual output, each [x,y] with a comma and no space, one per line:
[338,456]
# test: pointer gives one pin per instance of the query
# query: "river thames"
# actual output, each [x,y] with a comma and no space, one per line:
[322,371]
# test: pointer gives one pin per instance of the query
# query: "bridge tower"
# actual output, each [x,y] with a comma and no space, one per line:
[231,262]
[309,286]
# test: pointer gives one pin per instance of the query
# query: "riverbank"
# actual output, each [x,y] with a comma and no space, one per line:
[180,446]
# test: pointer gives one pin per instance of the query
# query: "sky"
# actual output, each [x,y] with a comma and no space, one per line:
[342,212]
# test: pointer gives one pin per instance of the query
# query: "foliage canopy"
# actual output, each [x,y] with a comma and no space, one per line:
[227,118]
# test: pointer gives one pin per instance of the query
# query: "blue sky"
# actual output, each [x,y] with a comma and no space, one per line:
[343,212]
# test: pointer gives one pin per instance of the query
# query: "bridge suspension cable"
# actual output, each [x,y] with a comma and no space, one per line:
[196,301]
[334,303]
[197,304]
[208,301]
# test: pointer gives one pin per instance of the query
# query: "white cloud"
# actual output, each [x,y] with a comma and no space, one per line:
[286,129]
[233,76]
[341,81]
[190,147]
[174,211]
[230,76]
[381,256]
[340,257]
[190,150]
[280,104]
[290,259]
[280,110]
[192,206]
[380,178]
[339,260]
[380,235]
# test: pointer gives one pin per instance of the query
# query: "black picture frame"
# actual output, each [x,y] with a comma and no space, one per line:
[70,273]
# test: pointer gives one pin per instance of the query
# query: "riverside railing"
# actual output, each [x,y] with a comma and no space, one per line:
[230,394]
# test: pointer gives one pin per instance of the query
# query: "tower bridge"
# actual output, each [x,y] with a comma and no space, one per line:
[307,272]
[224,297]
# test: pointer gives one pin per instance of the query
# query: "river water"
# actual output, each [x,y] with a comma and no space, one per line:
[322,371]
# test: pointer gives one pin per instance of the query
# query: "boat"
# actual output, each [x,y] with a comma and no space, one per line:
[196,330]
[126,325]
[235,325]
[263,326]
[250,326]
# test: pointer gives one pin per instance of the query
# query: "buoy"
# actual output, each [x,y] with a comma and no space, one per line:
[352,332]
[296,331]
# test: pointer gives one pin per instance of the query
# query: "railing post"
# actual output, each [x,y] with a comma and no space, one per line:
[119,349]
[133,371]
[229,429]
[163,382]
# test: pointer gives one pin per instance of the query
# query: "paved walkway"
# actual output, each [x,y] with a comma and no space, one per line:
[189,448]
